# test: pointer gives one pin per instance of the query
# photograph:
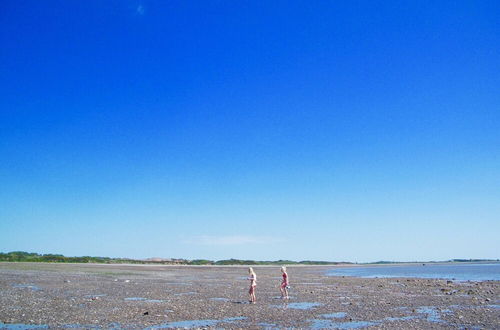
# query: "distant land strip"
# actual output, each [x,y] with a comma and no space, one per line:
[21,256]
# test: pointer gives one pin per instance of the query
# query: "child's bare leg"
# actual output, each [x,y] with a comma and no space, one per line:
[252,294]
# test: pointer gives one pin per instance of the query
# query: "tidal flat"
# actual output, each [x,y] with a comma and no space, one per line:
[41,295]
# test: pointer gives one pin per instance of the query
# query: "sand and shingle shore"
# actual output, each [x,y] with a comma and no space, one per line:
[142,296]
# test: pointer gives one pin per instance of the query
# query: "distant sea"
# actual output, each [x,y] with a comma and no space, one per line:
[461,272]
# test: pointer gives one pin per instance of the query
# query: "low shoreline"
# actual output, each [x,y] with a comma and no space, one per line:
[261,266]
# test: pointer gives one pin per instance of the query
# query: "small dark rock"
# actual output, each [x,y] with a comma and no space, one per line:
[145,313]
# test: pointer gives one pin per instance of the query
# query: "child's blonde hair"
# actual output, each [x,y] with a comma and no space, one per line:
[250,270]
[283,269]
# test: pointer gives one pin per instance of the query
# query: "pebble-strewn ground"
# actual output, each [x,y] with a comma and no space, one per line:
[142,296]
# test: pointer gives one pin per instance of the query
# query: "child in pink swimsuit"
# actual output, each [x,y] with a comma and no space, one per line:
[284,284]
[253,284]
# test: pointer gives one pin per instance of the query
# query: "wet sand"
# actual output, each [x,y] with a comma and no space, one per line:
[149,296]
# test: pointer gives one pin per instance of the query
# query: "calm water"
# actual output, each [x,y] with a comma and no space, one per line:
[461,272]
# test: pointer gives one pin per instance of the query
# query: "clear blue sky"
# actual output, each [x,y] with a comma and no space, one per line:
[334,130]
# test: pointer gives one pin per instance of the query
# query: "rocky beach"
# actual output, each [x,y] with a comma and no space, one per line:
[41,295]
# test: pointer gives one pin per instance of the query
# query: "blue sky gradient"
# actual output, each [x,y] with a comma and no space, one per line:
[334,130]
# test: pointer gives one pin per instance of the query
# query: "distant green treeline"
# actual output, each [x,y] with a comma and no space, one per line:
[20,256]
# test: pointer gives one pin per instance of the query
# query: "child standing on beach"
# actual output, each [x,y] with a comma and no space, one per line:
[253,284]
[284,283]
